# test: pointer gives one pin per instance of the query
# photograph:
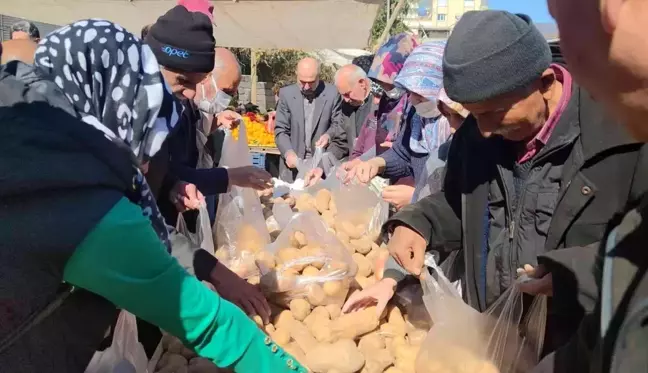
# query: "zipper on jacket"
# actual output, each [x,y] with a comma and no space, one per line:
[35,319]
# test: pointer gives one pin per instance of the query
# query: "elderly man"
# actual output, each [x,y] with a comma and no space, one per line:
[308,116]
[18,49]
[355,88]
[613,65]
[24,30]
[532,176]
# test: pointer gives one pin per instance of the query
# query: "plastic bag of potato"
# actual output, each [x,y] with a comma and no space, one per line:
[462,340]
[308,262]
[240,230]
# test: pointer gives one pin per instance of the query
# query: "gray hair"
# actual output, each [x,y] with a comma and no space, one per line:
[356,73]
[26,27]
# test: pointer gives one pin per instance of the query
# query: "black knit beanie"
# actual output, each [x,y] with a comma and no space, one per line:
[183,41]
[492,52]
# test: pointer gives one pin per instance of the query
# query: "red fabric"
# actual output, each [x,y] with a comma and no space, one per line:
[201,6]
[541,139]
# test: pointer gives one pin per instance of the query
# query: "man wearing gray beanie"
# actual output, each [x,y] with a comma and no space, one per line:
[532,176]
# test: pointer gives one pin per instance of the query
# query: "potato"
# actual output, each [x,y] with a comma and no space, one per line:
[254,280]
[277,282]
[370,343]
[305,202]
[333,206]
[395,370]
[322,200]
[283,319]
[300,308]
[364,265]
[293,349]
[334,310]
[349,229]
[355,324]
[288,254]
[391,330]
[395,318]
[281,336]
[365,282]
[265,261]
[302,336]
[362,245]
[336,268]
[310,271]
[342,355]
[376,361]
[333,288]
[315,295]
[248,238]
[298,239]
[328,218]
[405,357]
[343,237]
[312,251]
[319,315]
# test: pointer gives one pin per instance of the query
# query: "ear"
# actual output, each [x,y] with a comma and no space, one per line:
[547,80]
[610,10]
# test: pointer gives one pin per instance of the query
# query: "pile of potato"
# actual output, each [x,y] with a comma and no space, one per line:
[176,358]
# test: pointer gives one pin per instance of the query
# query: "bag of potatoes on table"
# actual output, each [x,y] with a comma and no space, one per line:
[240,230]
[307,262]
[504,339]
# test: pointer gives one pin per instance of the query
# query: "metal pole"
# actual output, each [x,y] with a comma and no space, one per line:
[388,9]
[253,76]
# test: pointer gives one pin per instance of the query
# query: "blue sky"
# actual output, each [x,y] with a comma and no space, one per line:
[537,9]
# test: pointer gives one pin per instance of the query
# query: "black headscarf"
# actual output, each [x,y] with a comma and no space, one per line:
[115,85]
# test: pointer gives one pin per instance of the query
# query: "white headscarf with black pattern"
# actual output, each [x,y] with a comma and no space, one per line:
[114,83]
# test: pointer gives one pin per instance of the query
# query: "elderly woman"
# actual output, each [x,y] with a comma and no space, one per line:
[414,151]
[82,236]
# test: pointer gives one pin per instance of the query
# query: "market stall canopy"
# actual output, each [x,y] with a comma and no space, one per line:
[306,24]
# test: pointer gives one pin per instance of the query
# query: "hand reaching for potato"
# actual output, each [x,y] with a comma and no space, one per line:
[378,294]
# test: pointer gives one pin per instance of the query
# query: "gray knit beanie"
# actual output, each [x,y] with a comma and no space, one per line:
[492,52]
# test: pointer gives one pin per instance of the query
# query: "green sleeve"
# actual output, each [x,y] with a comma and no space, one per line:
[123,260]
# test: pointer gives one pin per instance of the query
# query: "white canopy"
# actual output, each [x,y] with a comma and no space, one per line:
[305,24]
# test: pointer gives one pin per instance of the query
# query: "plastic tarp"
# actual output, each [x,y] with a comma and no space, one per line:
[306,24]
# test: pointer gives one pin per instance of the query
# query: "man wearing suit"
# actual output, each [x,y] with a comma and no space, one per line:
[308,116]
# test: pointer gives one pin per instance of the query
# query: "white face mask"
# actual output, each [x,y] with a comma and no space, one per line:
[214,106]
[427,109]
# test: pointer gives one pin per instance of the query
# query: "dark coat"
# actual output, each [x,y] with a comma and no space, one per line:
[585,174]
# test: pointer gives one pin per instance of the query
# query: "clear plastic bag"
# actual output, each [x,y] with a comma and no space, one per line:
[462,340]
[308,262]
[203,237]
[240,229]
[125,354]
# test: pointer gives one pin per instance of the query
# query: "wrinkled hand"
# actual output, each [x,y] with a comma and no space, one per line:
[323,141]
[365,171]
[186,196]
[379,294]
[228,119]
[238,291]
[541,281]
[249,177]
[398,195]
[291,160]
[408,249]
[313,176]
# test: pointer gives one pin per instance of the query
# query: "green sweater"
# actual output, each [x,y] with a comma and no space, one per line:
[123,260]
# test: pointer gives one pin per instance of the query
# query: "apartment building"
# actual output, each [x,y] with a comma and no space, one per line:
[434,19]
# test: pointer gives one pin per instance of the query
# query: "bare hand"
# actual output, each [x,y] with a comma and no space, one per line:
[249,177]
[364,171]
[228,119]
[398,195]
[291,160]
[186,196]
[541,281]
[238,291]
[323,141]
[378,294]
[313,176]
[408,249]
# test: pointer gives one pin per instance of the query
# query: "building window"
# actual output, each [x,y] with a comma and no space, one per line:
[441,17]
[469,4]
[442,3]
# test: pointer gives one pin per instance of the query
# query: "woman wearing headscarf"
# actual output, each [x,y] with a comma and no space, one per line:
[414,152]
[81,233]
[381,128]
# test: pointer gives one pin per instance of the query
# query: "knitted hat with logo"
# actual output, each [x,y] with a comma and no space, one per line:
[183,41]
